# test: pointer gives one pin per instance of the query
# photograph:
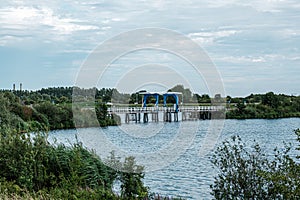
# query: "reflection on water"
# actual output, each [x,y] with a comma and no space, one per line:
[190,175]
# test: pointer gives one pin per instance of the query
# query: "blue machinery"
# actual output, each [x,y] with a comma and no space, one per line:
[170,113]
[165,96]
[167,114]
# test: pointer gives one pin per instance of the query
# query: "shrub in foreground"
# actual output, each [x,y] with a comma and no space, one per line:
[247,173]
[30,165]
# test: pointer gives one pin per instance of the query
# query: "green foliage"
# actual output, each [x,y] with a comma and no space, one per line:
[186,94]
[205,98]
[30,166]
[270,99]
[282,177]
[266,106]
[103,116]
[24,104]
[105,94]
[43,114]
[237,178]
[7,117]
[84,117]
[131,177]
[246,173]
[59,116]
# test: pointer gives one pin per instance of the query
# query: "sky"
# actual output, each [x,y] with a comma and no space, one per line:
[253,44]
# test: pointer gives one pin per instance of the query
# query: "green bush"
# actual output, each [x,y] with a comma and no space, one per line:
[247,173]
[30,165]
[131,178]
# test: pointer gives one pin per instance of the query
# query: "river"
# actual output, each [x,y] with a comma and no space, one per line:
[186,174]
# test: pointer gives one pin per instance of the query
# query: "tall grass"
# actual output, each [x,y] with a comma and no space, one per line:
[30,166]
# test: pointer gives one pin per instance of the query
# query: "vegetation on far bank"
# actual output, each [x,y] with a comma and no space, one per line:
[30,111]
[51,108]
[263,106]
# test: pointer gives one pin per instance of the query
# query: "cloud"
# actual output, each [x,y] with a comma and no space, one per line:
[240,35]
[272,59]
[72,51]
[242,59]
[31,17]
[209,37]
[289,32]
[9,39]
[271,6]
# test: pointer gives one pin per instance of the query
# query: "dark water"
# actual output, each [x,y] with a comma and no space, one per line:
[186,174]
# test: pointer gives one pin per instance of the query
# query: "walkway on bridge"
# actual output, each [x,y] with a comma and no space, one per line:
[167,114]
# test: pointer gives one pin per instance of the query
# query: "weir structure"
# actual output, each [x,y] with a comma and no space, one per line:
[166,113]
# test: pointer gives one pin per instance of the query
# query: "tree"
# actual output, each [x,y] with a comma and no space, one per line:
[7,117]
[241,108]
[238,171]
[271,100]
[204,98]
[132,186]
[247,173]
[58,116]
[186,93]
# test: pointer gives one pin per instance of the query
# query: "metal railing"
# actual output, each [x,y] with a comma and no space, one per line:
[115,109]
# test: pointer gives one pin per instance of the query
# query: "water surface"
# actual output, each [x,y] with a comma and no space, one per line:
[190,175]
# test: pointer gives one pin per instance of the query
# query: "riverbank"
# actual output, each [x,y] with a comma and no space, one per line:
[52,108]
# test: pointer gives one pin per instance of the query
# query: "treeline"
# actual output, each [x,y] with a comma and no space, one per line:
[263,106]
[58,95]
[28,111]
[51,108]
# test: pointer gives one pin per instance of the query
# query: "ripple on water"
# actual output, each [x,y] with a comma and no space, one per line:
[190,175]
